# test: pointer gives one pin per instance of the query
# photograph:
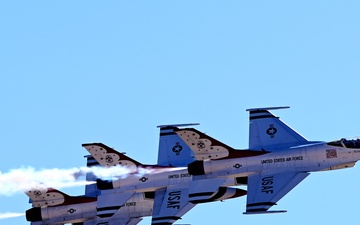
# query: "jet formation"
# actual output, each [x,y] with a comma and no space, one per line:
[194,168]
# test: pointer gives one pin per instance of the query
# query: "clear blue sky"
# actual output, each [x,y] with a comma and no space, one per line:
[73,72]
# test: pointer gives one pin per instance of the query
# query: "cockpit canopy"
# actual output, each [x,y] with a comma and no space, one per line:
[346,143]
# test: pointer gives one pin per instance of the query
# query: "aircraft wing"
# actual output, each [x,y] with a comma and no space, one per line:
[170,204]
[268,132]
[110,201]
[43,223]
[131,221]
[264,190]
[112,221]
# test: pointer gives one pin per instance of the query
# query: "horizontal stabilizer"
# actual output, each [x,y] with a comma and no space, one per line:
[264,212]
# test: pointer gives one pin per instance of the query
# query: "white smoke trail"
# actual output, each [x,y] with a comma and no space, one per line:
[25,178]
[9,215]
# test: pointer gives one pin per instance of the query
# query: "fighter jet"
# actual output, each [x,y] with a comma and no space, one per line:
[278,158]
[51,206]
[175,191]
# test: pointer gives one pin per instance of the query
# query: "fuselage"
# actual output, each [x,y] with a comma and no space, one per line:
[63,214]
[143,183]
[315,156]
[139,205]
[312,157]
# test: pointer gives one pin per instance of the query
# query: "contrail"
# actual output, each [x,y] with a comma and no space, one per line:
[25,178]
[18,180]
[10,215]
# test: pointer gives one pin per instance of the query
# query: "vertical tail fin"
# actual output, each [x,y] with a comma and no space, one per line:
[91,189]
[108,157]
[42,196]
[172,149]
[268,132]
[205,147]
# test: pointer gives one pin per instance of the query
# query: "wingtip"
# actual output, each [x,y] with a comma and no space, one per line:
[267,108]
[264,212]
[178,125]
